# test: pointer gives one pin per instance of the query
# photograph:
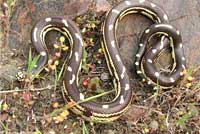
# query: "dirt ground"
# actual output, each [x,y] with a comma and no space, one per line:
[37,106]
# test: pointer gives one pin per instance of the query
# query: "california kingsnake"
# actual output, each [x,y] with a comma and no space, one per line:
[144,59]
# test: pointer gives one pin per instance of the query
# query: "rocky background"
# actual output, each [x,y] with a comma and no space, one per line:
[163,111]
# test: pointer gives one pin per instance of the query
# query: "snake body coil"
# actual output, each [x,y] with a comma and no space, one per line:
[146,66]
[92,110]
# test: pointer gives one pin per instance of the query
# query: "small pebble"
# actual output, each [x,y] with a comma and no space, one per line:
[154,125]
[52,132]
[105,76]
[109,131]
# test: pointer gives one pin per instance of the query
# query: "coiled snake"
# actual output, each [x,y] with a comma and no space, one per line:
[144,58]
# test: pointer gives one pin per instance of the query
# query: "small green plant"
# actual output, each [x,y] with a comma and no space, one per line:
[60,114]
[10,4]
[197,85]
[28,75]
[84,128]
[184,119]
[69,105]
[32,63]
[60,47]
[4,127]
[94,97]
[58,74]
[157,89]
[37,131]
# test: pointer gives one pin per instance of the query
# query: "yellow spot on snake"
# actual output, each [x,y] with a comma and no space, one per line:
[121,99]
[105,106]
[181,45]
[48,19]
[141,44]
[72,80]
[137,55]
[43,53]
[76,56]
[149,83]
[110,27]
[150,61]
[35,34]
[115,11]
[139,72]
[172,80]
[118,58]
[147,31]
[183,58]
[127,87]
[113,44]
[154,51]
[123,71]
[65,22]
[137,63]
[69,68]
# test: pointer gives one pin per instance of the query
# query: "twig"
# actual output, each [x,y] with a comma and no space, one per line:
[21,90]
[196,69]
[167,118]
[181,17]
[178,99]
